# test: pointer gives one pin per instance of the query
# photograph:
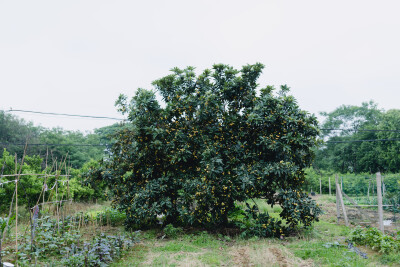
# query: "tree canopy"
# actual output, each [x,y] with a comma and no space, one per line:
[217,141]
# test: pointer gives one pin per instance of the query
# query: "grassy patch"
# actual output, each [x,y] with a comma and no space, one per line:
[322,245]
[162,260]
[390,259]
[135,257]
[176,246]
[214,258]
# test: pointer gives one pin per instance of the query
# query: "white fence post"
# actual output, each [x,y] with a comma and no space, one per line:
[379,195]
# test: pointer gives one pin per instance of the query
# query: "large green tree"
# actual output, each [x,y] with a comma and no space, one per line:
[215,141]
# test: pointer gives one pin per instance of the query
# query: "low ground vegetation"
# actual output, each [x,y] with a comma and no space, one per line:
[94,236]
[326,244]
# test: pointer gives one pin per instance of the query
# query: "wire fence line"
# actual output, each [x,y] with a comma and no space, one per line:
[54,144]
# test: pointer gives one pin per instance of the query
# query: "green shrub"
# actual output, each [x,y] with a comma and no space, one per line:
[111,216]
[171,231]
[374,238]
[259,224]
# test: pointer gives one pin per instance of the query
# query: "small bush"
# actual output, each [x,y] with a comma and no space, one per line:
[171,231]
[373,238]
[259,224]
[111,217]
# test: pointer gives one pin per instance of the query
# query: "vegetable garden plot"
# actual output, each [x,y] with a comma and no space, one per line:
[47,229]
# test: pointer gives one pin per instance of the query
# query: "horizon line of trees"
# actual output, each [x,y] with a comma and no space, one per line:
[15,132]
[344,153]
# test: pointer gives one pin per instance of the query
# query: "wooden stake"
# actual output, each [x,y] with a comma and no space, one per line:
[379,195]
[342,204]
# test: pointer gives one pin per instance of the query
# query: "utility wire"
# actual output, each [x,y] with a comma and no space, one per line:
[22,144]
[63,114]
[118,119]
[100,145]
[360,130]
[368,140]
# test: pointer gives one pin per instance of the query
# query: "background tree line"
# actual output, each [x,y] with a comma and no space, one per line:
[15,132]
[343,150]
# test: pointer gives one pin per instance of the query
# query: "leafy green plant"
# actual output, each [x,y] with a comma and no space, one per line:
[110,216]
[62,240]
[259,224]
[298,208]
[373,238]
[4,223]
[171,231]
[100,252]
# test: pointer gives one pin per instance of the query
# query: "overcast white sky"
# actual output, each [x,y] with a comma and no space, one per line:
[77,56]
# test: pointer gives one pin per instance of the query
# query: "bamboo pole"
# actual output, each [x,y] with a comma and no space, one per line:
[68,192]
[45,176]
[16,211]
[337,199]
[57,211]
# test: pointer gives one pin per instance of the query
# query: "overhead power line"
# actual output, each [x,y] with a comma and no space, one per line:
[23,144]
[368,140]
[360,130]
[64,114]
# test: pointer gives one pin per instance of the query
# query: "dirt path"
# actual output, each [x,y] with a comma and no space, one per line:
[241,256]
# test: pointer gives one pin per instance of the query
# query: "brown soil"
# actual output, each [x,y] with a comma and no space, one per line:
[241,256]
[279,257]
